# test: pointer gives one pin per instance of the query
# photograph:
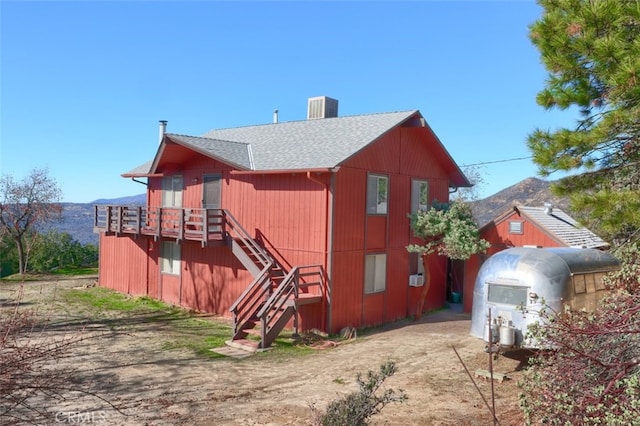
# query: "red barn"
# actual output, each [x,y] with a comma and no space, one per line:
[522,226]
[300,223]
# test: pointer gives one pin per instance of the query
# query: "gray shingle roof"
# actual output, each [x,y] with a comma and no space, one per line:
[141,170]
[310,144]
[563,227]
[298,145]
[235,153]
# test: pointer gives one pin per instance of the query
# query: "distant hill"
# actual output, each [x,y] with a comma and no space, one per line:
[531,192]
[140,199]
[77,218]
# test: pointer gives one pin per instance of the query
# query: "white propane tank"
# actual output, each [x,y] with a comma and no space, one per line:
[507,335]
[494,332]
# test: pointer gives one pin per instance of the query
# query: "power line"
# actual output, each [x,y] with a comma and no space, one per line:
[497,161]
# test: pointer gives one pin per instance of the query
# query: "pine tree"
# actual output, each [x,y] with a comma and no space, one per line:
[591,50]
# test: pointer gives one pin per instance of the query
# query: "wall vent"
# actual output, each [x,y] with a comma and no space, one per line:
[322,107]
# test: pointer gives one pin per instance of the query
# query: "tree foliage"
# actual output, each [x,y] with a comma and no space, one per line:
[448,229]
[477,180]
[24,206]
[54,250]
[591,50]
[592,375]
[47,252]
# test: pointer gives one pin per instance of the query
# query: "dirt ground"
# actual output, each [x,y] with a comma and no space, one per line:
[127,366]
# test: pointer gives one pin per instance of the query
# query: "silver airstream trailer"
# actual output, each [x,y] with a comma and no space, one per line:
[514,284]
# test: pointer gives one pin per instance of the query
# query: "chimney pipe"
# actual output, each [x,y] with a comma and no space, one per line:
[548,208]
[163,129]
[275,116]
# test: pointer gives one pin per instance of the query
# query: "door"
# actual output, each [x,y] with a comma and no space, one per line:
[211,186]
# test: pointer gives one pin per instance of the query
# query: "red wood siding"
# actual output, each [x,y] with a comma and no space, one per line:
[153,270]
[349,201]
[212,278]
[284,211]
[374,309]
[347,290]
[171,289]
[376,232]
[399,209]
[402,155]
[123,262]
[500,238]
[397,286]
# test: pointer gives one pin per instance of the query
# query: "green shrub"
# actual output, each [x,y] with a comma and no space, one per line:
[356,408]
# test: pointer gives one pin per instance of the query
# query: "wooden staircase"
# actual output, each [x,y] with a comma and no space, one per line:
[273,297]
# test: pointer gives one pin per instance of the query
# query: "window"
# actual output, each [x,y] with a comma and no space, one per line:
[515,227]
[375,273]
[170,258]
[377,194]
[419,195]
[172,191]
[415,264]
[507,294]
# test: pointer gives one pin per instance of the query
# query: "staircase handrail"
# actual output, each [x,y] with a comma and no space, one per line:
[250,243]
[275,306]
[279,293]
[262,276]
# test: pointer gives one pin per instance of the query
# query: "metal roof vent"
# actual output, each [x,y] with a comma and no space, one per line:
[162,129]
[322,107]
[548,208]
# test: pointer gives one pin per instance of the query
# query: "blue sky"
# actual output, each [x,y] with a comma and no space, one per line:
[83,84]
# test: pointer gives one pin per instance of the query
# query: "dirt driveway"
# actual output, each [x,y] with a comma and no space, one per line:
[127,366]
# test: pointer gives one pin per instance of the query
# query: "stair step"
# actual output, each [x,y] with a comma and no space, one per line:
[307,298]
[246,345]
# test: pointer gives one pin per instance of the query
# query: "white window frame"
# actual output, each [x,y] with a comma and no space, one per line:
[170,258]
[377,201]
[375,273]
[172,191]
[419,195]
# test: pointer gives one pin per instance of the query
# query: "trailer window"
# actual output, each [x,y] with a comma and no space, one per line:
[507,294]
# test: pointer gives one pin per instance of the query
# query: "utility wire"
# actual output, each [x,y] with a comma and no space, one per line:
[496,161]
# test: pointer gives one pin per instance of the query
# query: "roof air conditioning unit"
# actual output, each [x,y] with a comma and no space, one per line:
[322,107]
[416,280]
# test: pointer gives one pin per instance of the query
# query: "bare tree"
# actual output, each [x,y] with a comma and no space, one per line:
[25,205]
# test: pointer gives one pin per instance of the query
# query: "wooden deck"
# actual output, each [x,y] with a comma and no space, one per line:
[204,225]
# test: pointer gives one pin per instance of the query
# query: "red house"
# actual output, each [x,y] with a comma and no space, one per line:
[528,226]
[300,223]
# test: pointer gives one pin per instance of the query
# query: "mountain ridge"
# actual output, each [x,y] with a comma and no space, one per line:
[532,192]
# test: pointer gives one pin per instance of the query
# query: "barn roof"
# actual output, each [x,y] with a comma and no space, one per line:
[559,225]
[300,145]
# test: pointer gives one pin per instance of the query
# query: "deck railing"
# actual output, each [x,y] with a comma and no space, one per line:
[203,225]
